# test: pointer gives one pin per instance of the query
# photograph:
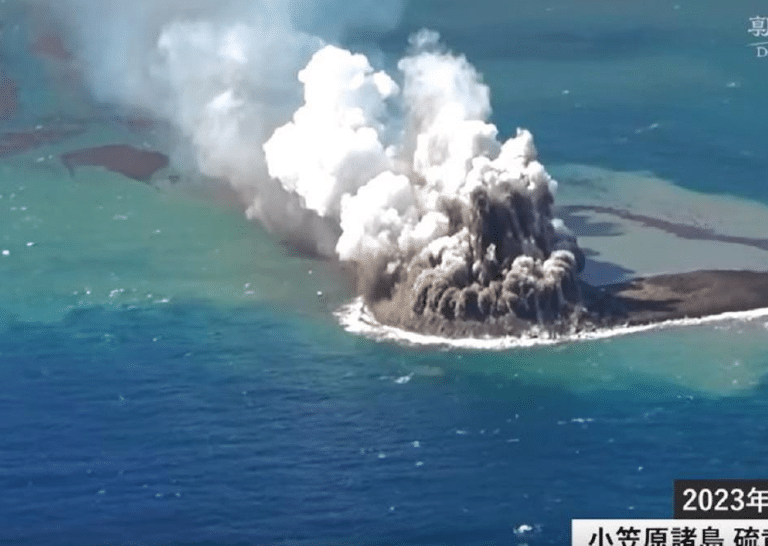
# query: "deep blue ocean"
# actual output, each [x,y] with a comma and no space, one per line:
[170,374]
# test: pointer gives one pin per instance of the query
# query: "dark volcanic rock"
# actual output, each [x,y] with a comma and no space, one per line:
[665,297]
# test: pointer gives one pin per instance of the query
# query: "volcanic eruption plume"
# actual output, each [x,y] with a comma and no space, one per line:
[449,229]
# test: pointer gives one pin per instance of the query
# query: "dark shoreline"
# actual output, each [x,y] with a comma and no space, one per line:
[696,294]
[639,301]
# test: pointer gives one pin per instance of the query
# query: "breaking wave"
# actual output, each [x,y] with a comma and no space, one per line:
[356,318]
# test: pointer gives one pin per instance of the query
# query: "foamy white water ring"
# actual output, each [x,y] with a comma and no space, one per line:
[356,318]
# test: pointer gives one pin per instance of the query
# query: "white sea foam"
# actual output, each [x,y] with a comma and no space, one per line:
[356,318]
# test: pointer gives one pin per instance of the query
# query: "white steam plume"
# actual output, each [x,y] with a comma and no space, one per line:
[320,144]
[386,163]
[223,72]
[449,228]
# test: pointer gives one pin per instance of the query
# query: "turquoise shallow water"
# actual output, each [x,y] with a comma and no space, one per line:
[171,374]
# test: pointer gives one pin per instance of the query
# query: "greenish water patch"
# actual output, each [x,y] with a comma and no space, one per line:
[102,239]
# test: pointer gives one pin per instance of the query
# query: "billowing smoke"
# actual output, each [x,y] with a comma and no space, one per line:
[400,174]
[222,72]
[446,224]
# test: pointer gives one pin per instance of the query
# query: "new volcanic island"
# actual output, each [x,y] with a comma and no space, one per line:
[509,268]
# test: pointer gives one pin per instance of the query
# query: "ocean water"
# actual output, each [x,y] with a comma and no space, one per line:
[173,374]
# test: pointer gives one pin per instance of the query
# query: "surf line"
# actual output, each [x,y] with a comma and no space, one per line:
[356,318]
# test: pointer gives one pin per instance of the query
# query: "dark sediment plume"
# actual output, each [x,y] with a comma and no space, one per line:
[127,160]
[120,158]
[9,96]
[9,92]
[50,44]
[17,142]
[136,123]
[684,231]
